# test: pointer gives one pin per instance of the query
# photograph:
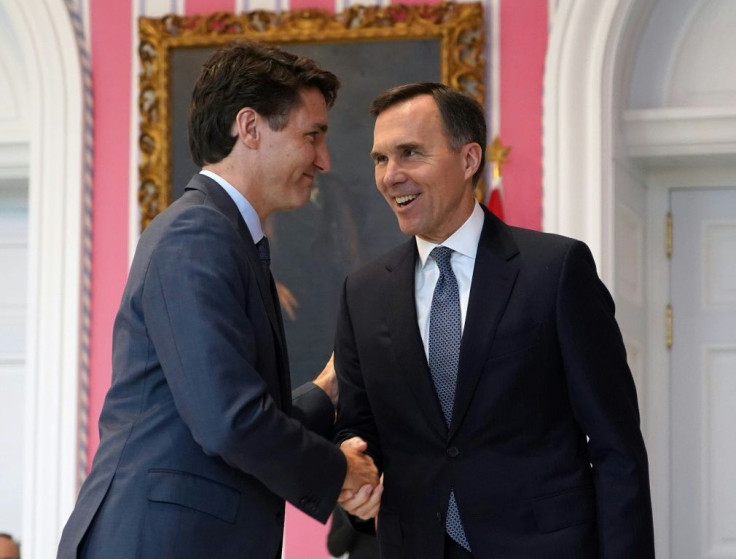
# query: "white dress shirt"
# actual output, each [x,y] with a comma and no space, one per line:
[246,210]
[464,243]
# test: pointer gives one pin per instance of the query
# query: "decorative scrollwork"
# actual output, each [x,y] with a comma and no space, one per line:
[458,26]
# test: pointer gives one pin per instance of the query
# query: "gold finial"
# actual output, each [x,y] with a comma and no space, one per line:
[498,154]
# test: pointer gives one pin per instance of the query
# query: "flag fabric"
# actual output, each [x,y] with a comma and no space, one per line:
[498,155]
[495,199]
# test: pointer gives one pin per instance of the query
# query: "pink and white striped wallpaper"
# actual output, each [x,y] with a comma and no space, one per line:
[516,90]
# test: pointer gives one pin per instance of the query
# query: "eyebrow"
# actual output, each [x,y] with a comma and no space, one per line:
[408,145]
[375,153]
[399,147]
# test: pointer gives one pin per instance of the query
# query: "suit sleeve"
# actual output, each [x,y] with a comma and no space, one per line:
[604,401]
[314,409]
[196,306]
[354,412]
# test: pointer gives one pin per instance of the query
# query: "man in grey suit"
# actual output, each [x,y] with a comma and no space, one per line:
[200,443]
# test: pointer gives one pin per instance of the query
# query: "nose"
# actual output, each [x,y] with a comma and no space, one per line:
[392,173]
[322,158]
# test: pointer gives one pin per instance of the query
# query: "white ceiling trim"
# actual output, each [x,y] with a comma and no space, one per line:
[680,132]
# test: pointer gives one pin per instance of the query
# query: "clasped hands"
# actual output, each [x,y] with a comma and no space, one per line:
[361,490]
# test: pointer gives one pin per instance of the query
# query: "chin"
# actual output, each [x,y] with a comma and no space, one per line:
[407,229]
[297,203]
[296,206]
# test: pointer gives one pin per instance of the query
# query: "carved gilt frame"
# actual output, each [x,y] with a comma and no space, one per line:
[459,28]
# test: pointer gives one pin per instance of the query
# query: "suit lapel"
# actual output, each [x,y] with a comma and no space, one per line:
[223,203]
[281,338]
[406,342]
[493,279]
[265,284]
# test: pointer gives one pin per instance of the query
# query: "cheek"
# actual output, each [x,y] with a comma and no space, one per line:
[378,175]
[294,157]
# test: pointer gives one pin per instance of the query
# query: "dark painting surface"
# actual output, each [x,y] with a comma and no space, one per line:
[346,222]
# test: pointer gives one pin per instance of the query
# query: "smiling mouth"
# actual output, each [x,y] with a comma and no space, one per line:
[402,201]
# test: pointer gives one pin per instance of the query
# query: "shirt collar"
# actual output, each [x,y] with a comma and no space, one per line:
[463,241]
[250,216]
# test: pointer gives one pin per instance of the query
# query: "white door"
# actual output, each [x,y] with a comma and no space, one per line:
[703,369]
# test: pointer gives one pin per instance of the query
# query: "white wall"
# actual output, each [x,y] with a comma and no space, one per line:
[13,275]
[13,278]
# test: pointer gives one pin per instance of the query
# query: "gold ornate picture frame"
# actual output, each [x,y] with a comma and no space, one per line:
[346,221]
[457,28]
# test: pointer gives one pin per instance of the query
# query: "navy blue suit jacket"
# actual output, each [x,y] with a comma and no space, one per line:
[199,445]
[542,366]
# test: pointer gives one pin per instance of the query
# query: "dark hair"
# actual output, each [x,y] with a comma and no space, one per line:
[248,74]
[462,116]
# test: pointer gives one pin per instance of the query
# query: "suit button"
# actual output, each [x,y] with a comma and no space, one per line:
[438,516]
[452,452]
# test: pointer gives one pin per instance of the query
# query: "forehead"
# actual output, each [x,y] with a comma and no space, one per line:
[415,120]
[312,108]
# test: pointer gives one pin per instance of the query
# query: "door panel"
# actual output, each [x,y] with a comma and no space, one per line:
[703,368]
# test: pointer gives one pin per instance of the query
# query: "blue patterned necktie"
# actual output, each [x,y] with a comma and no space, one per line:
[445,332]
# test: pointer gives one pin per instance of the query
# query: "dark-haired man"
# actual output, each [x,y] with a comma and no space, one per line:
[476,358]
[199,444]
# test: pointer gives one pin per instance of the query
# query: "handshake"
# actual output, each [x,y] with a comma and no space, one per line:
[361,490]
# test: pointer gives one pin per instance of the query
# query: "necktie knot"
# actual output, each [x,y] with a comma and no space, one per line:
[442,255]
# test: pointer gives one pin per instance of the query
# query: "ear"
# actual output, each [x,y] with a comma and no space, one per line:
[246,127]
[472,155]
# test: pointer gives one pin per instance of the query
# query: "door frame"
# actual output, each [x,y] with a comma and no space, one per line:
[55,242]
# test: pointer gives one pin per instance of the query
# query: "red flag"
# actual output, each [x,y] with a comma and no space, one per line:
[498,154]
[495,200]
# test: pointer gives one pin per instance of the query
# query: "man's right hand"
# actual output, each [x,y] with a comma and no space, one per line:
[361,486]
[361,469]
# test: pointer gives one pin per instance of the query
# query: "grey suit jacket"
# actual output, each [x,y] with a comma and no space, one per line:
[199,446]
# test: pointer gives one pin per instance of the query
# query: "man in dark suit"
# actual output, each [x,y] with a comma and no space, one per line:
[200,444]
[483,365]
